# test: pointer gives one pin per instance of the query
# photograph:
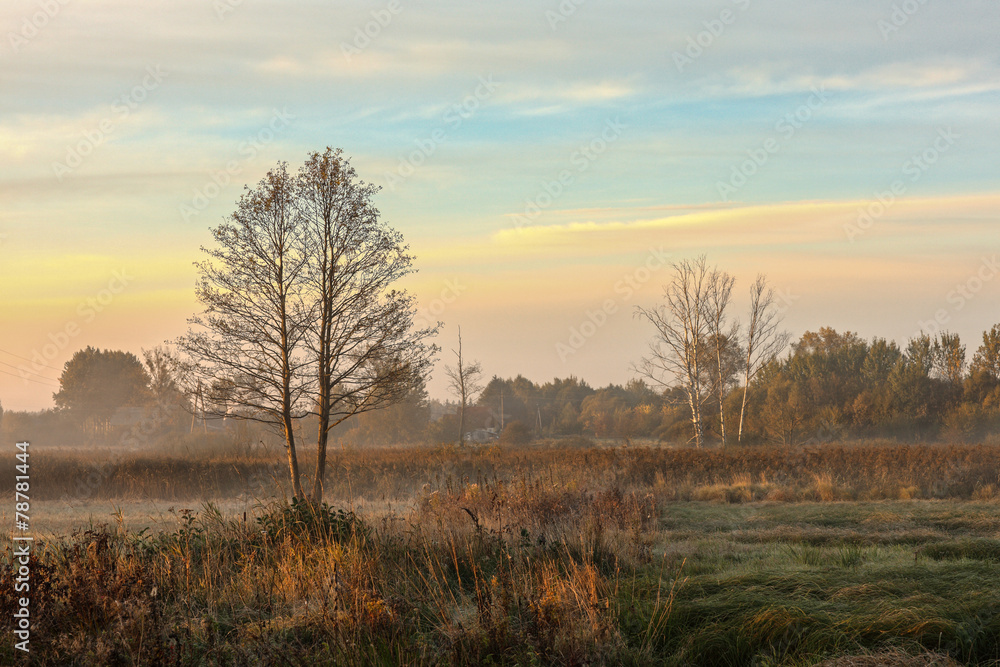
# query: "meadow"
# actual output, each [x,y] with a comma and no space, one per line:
[563,552]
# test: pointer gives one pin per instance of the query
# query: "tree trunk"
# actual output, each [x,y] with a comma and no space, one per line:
[694,395]
[322,439]
[293,463]
[461,422]
[695,404]
[746,387]
[722,421]
[743,408]
[722,409]
[324,357]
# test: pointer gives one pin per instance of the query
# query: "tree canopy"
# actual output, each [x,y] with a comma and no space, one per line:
[95,383]
[301,313]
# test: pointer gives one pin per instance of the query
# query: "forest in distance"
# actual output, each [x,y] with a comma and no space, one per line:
[829,386]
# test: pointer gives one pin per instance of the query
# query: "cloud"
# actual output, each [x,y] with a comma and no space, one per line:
[558,88]
[807,228]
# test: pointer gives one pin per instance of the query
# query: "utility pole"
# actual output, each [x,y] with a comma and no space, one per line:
[194,412]
[199,398]
[501,408]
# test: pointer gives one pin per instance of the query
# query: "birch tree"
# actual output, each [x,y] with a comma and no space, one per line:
[683,327]
[764,340]
[719,292]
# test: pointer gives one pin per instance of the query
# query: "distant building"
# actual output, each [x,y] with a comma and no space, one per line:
[482,436]
[481,417]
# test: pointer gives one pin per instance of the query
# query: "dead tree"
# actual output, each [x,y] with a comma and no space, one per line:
[464,380]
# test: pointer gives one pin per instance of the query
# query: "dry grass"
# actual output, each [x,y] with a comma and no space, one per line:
[892,659]
[561,555]
[827,473]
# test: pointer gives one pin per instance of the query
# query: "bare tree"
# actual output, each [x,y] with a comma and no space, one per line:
[465,380]
[683,327]
[719,292]
[167,375]
[301,316]
[364,352]
[250,331]
[763,339]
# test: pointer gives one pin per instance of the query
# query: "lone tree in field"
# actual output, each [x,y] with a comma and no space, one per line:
[683,325]
[364,352]
[465,381]
[301,317]
[250,335]
[763,339]
[95,383]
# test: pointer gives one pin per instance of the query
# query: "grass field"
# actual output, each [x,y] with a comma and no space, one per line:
[563,553]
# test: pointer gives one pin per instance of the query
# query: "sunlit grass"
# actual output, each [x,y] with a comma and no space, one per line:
[539,555]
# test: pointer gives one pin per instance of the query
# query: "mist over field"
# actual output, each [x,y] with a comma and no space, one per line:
[561,333]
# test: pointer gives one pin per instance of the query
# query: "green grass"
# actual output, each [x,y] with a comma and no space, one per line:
[699,592]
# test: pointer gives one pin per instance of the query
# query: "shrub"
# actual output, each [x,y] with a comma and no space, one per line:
[516,433]
[303,520]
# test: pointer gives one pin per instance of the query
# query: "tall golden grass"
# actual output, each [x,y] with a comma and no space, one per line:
[556,473]
[557,553]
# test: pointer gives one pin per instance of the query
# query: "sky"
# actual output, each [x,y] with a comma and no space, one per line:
[545,161]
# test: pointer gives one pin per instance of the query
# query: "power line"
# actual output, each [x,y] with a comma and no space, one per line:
[28,379]
[29,372]
[31,360]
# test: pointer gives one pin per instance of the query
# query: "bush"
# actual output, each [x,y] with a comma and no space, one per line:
[516,433]
[302,520]
[443,430]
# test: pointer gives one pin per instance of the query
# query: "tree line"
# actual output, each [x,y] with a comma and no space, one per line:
[304,329]
[829,385]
